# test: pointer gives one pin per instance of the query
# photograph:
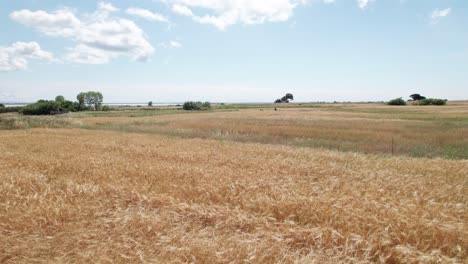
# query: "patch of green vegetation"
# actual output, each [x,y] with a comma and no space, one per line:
[196,106]
[448,152]
[10,109]
[397,101]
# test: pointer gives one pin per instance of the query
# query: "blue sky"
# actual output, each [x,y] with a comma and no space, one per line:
[233,50]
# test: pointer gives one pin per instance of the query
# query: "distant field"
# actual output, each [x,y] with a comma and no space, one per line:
[368,128]
[309,183]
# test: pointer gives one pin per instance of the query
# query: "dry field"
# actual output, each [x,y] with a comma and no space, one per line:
[235,187]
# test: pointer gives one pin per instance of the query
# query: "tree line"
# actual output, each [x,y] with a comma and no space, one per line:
[86,101]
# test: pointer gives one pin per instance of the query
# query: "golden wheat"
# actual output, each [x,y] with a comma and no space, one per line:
[81,196]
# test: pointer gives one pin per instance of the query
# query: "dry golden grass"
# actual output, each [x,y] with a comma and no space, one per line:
[86,196]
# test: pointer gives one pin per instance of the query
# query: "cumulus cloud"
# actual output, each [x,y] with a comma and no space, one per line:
[16,56]
[59,23]
[440,13]
[224,13]
[146,14]
[98,37]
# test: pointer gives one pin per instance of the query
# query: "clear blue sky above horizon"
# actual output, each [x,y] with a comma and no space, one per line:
[234,50]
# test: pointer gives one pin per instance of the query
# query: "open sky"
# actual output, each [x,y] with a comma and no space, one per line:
[233,50]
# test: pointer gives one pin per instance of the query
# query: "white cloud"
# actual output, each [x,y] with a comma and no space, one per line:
[107,7]
[182,10]
[98,37]
[15,57]
[363,3]
[59,23]
[440,13]
[146,14]
[175,44]
[171,44]
[87,55]
[224,13]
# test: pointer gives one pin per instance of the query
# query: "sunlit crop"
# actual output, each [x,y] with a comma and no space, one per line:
[90,196]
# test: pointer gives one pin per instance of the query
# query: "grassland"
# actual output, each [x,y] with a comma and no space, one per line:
[248,185]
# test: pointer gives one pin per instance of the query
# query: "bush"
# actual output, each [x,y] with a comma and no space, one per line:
[105,108]
[2,105]
[432,101]
[42,108]
[397,101]
[69,106]
[439,101]
[10,109]
[196,105]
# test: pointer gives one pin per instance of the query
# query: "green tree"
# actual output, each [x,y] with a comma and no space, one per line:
[93,100]
[150,103]
[81,99]
[60,99]
[417,97]
[289,96]
[285,99]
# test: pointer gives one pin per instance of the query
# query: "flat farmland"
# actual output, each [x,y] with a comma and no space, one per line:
[303,184]
[367,128]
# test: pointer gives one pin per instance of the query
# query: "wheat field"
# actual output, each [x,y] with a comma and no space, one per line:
[74,195]
[366,128]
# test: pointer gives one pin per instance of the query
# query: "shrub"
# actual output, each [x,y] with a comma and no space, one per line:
[397,101]
[10,109]
[105,108]
[439,101]
[69,106]
[432,101]
[2,105]
[206,105]
[42,108]
[190,105]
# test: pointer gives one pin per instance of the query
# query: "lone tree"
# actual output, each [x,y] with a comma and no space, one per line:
[417,97]
[285,99]
[150,103]
[92,99]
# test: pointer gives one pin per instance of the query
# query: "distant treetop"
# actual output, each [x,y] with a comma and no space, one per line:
[417,97]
